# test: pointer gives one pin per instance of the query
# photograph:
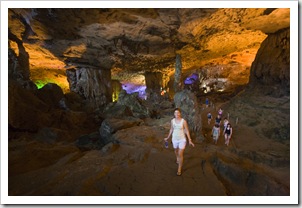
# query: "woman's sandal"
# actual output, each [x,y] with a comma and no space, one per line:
[178,173]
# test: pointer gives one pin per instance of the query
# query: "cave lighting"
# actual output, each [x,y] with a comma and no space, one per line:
[132,88]
[191,79]
[39,84]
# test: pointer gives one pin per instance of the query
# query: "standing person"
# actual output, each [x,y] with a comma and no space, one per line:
[218,119]
[209,117]
[179,130]
[228,131]
[216,133]
[225,123]
[220,112]
[207,102]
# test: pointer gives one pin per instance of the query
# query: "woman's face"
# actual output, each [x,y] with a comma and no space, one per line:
[177,114]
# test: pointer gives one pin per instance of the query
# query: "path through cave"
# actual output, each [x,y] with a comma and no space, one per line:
[141,166]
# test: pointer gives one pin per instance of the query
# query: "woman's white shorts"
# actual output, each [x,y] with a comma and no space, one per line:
[179,144]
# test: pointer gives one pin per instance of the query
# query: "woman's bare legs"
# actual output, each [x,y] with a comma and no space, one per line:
[179,153]
[176,155]
[227,139]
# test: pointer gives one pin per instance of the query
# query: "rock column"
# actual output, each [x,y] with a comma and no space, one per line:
[178,84]
[188,103]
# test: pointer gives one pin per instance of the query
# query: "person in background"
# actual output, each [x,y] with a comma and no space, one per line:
[228,131]
[207,102]
[218,119]
[225,123]
[216,133]
[209,116]
[179,131]
[220,112]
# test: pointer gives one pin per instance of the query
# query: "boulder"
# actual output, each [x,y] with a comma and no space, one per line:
[112,125]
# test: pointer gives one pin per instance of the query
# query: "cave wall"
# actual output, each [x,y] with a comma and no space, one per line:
[18,64]
[92,84]
[270,71]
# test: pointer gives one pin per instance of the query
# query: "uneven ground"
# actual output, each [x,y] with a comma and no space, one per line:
[140,166]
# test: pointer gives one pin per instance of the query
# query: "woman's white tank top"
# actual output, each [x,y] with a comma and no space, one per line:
[178,131]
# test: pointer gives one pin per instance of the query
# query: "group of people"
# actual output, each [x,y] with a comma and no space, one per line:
[180,133]
[227,128]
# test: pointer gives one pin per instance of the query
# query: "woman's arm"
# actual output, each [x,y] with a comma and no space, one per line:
[170,132]
[187,132]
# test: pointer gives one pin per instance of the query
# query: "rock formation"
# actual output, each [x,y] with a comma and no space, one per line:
[271,68]
[76,113]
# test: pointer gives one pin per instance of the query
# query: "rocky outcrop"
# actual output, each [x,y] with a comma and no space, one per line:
[188,103]
[92,84]
[265,103]
[115,110]
[31,110]
[26,112]
[18,64]
[240,181]
[135,104]
[53,95]
[112,125]
[270,71]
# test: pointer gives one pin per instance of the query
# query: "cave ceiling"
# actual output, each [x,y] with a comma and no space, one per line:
[130,42]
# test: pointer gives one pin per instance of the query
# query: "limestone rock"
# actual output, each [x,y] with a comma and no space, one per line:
[187,102]
[111,125]
[134,103]
[51,94]
[270,71]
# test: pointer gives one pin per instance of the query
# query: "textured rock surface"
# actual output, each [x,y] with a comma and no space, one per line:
[91,84]
[133,41]
[213,43]
[189,105]
[271,67]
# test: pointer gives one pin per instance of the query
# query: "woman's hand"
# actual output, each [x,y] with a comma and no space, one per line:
[166,139]
[191,143]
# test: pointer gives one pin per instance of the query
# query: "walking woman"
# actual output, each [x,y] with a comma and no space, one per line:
[179,131]
[215,133]
[228,133]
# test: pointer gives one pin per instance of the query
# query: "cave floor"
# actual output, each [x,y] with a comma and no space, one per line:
[143,167]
